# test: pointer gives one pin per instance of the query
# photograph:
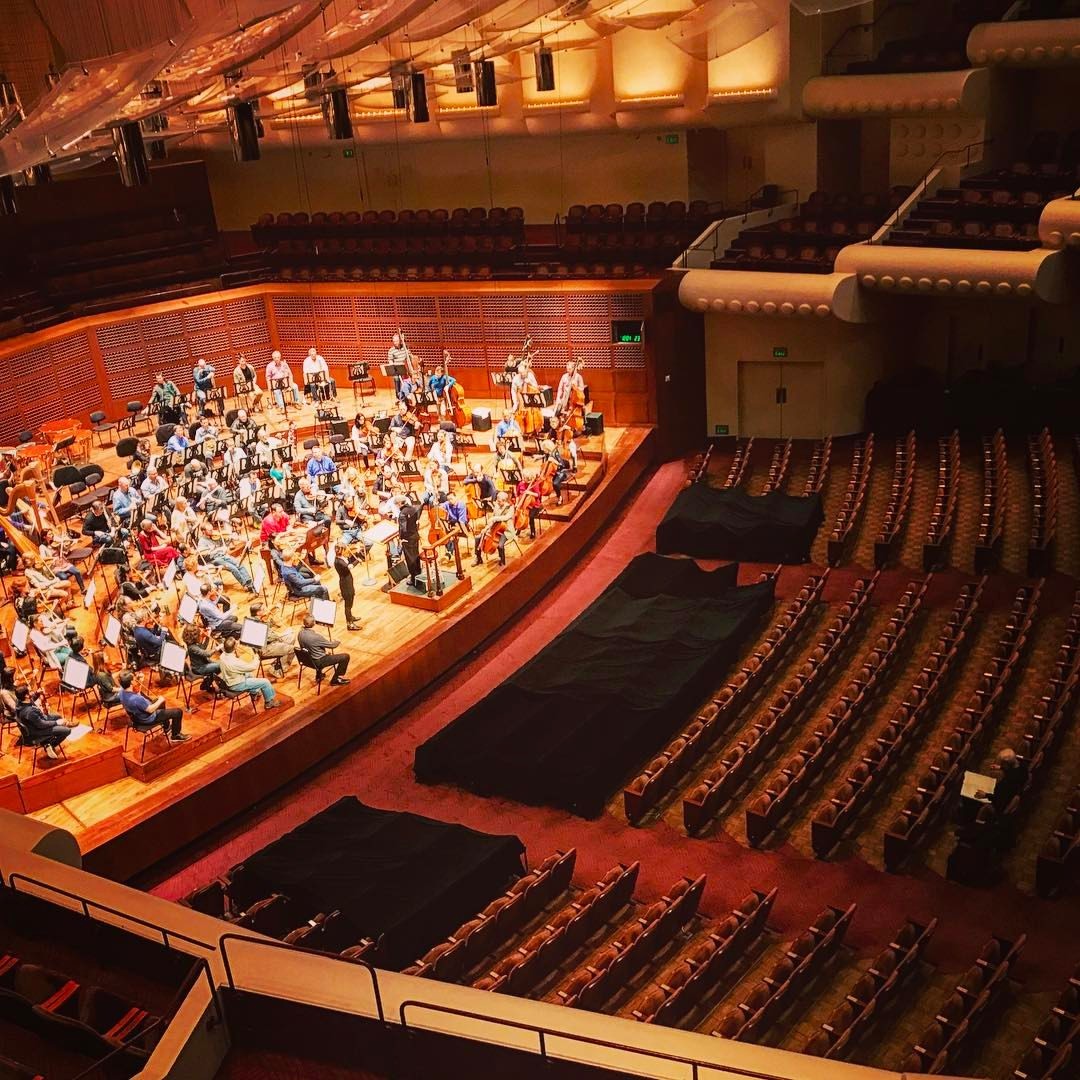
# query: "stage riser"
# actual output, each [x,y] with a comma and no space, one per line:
[121,849]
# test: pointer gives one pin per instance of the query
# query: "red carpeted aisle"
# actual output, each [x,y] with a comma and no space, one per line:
[379,771]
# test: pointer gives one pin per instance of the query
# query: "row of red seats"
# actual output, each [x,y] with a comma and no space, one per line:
[597,216]
[778,467]
[85,1018]
[547,947]
[739,462]
[967,737]
[623,245]
[1042,462]
[1050,1056]
[412,248]
[384,222]
[1059,856]
[871,992]
[892,742]
[804,766]
[637,944]
[498,922]
[696,974]
[965,1008]
[686,749]
[741,762]
[994,501]
[943,513]
[854,498]
[895,516]
[819,467]
[975,856]
[699,467]
[461,272]
[804,958]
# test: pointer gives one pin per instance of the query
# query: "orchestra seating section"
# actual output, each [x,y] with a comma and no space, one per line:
[809,241]
[73,994]
[996,211]
[478,243]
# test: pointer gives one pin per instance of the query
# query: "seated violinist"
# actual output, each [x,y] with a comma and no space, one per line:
[153,546]
[274,524]
[403,425]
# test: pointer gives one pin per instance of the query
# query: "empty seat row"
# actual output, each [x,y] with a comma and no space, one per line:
[520,970]
[637,943]
[739,463]
[1051,1054]
[402,249]
[892,742]
[967,737]
[1059,856]
[499,921]
[995,498]
[943,513]
[683,752]
[699,468]
[819,467]
[802,961]
[871,992]
[804,767]
[87,1018]
[851,506]
[981,843]
[386,222]
[697,971]
[622,245]
[778,467]
[962,1012]
[895,516]
[743,760]
[613,216]
[1042,463]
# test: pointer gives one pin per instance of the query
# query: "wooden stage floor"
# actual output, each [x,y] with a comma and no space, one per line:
[126,814]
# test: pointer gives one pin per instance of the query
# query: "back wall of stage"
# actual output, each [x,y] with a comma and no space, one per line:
[102,362]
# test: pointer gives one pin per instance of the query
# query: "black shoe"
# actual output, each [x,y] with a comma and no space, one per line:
[478,562]
[338,680]
[179,738]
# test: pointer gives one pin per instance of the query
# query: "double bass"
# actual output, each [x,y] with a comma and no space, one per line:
[455,394]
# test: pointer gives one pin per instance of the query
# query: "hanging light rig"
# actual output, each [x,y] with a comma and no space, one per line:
[418,86]
[545,69]
[243,124]
[486,94]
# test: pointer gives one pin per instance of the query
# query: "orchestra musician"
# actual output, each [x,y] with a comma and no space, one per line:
[343,564]
[570,397]
[277,370]
[363,436]
[529,503]
[398,355]
[280,641]
[529,417]
[246,382]
[507,426]
[404,425]
[439,459]
[408,522]
[202,375]
[439,383]
[498,530]
[554,468]
[167,397]
[153,546]
[316,388]
[507,466]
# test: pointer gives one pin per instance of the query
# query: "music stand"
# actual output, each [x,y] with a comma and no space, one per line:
[361,378]
[283,384]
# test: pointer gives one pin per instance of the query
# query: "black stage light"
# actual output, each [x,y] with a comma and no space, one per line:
[131,155]
[335,107]
[243,132]
[399,84]
[8,206]
[485,83]
[420,112]
[545,70]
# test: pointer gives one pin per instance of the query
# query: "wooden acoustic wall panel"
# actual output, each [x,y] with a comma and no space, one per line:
[47,382]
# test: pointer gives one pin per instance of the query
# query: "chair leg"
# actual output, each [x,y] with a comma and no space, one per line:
[33,764]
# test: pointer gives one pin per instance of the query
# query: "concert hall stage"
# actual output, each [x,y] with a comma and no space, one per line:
[126,813]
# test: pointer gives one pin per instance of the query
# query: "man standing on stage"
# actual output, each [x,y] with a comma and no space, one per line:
[409,536]
[347,585]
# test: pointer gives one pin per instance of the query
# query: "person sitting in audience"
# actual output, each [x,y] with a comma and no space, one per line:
[41,726]
[320,649]
[144,713]
[1012,774]
[239,674]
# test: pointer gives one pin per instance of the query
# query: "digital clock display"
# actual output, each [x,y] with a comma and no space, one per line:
[627,331]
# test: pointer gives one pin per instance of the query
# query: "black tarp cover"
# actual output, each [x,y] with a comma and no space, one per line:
[711,523]
[410,878]
[565,728]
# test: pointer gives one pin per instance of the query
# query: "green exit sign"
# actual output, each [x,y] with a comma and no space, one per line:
[780,352]
[671,140]
[721,429]
[348,152]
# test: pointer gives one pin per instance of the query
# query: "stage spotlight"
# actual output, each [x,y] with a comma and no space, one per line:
[420,112]
[335,109]
[131,155]
[8,206]
[243,132]
[545,70]
[485,83]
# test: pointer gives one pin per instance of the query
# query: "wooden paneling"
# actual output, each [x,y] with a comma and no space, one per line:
[104,361]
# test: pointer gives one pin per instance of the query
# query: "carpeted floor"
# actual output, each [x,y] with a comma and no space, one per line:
[379,771]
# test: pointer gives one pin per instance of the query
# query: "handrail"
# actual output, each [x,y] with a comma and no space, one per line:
[744,213]
[91,1070]
[544,1033]
[894,218]
[865,26]
[126,916]
[271,944]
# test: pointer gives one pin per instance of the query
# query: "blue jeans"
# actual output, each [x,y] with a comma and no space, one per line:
[255,686]
[279,397]
[238,570]
[63,575]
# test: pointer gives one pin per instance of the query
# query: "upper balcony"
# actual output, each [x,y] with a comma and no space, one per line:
[1028,43]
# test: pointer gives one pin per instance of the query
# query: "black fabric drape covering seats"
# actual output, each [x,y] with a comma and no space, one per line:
[408,879]
[566,728]
[730,524]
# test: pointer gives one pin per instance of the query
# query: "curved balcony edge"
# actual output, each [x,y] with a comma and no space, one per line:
[832,97]
[749,292]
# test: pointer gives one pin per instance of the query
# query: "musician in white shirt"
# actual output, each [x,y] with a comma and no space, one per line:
[314,365]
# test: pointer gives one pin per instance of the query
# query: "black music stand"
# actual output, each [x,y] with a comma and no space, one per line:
[283,384]
[361,380]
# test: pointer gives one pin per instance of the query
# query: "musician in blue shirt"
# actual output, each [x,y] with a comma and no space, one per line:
[320,463]
[124,499]
[178,442]
[203,377]
[508,425]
